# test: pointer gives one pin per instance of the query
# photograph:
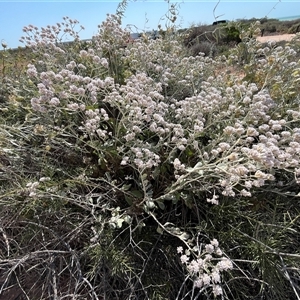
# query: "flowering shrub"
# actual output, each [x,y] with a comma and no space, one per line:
[203,270]
[131,141]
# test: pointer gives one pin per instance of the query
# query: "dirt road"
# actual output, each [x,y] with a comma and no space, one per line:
[276,38]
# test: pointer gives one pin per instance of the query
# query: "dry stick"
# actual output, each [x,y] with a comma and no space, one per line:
[273,8]
[182,286]
[91,287]
[20,286]
[6,241]
[54,280]
[18,262]
[289,278]
[216,17]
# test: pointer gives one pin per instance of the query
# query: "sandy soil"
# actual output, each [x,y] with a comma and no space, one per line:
[276,38]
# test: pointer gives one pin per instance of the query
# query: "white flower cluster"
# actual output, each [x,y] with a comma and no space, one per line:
[207,267]
[92,123]
[167,108]
[142,158]
[32,187]
[111,36]
[94,57]
[118,218]
[49,37]
[178,165]
[145,158]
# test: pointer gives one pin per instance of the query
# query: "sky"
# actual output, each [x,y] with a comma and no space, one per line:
[142,15]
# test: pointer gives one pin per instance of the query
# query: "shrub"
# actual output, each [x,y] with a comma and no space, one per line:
[117,157]
[294,29]
[232,34]
[207,48]
[201,33]
[210,39]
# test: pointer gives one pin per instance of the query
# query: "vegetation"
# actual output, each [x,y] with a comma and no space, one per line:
[218,39]
[140,171]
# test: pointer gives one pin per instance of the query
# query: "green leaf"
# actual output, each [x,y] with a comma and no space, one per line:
[129,199]
[137,194]
[159,230]
[184,236]
[161,205]
[126,187]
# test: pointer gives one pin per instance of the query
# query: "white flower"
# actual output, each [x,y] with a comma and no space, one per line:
[194,267]
[184,259]
[217,290]
[177,164]
[81,91]
[215,243]
[245,193]
[224,264]
[224,146]
[96,59]
[124,160]
[213,200]
[198,283]
[32,194]
[209,248]
[240,170]
[43,179]
[81,66]
[233,156]
[104,62]
[252,132]
[218,252]
[83,53]
[260,175]
[207,258]
[206,279]
[54,101]
[215,276]
[229,130]
[179,249]
[276,127]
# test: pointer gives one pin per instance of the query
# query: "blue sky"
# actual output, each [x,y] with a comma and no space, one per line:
[144,14]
